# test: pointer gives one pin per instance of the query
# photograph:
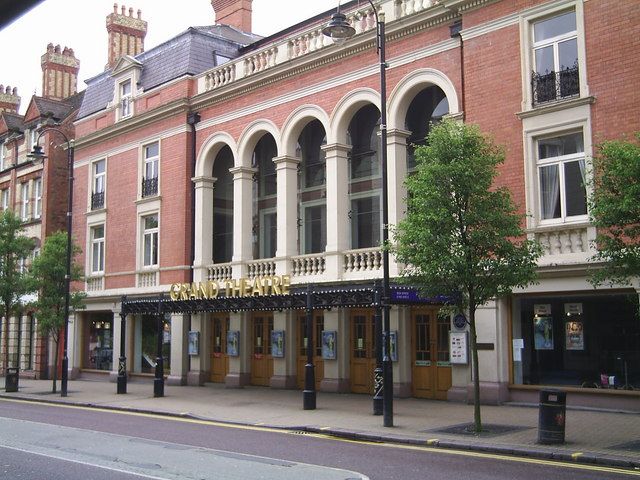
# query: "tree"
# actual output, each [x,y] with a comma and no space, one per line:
[48,274]
[14,285]
[462,235]
[614,206]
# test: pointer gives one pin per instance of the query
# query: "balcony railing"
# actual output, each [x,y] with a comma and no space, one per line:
[551,86]
[149,187]
[97,200]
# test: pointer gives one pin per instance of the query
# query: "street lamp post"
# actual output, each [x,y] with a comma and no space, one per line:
[38,155]
[339,30]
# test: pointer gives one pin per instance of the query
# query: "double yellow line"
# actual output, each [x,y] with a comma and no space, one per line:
[422,448]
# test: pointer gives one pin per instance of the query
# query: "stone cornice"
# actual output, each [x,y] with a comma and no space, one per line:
[556,106]
[138,121]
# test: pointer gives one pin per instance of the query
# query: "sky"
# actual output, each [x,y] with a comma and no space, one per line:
[80,25]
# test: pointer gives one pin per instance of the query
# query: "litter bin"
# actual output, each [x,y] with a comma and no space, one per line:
[551,417]
[11,380]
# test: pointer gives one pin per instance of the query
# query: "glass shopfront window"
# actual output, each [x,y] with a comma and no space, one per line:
[590,341]
[146,344]
[100,345]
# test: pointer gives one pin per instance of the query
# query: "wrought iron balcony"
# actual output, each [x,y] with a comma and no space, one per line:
[551,86]
[149,186]
[97,200]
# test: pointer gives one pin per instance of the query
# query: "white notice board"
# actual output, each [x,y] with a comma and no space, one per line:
[458,348]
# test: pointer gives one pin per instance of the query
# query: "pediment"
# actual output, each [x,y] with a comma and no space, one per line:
[125,64]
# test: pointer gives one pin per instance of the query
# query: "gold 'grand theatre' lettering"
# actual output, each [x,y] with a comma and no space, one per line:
[242,287]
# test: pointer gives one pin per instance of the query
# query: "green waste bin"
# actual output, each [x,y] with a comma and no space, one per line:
[552,416]
[11,380]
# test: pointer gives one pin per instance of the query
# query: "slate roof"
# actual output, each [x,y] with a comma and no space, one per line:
[59,109]
[14,121]
[189,53]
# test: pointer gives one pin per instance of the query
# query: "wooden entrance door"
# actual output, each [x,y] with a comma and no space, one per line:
[431,368]
[316,341]
[261,359]
[219,358]
[363,351]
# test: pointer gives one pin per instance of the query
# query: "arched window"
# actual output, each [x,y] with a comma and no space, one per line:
[312,214]
[223,207]
[365,178]
[427,107]
[264,198]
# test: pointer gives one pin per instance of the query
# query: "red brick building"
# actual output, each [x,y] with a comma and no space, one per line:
[220,156]
[37,193]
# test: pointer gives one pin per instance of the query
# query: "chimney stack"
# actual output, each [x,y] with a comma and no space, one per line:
[9,99]
[59,72]
[126,34]
[236,13]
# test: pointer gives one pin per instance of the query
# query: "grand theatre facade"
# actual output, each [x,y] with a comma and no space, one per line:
[267,173]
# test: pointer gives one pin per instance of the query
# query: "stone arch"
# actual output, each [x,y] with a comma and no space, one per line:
[344,111]
[249,138]
[295,123]
[210,149]
[404,92]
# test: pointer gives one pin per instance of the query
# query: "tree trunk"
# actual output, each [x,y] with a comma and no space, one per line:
[476,377]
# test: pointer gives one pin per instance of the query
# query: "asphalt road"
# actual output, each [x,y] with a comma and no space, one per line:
[152,446]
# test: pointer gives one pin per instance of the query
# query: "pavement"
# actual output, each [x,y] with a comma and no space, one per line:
[591,436]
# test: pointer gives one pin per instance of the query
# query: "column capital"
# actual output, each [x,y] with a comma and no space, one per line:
[243,172]
[336,149]
[286,161]
[204,182]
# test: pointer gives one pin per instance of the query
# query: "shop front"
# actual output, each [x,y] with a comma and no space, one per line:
[580,342]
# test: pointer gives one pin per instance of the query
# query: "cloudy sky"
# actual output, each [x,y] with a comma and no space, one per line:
[80,24]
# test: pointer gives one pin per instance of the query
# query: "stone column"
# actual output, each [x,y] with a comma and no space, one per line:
[338,235]
[284,369]
[397,171]
[74,346]
[203,254]
[179,353]
[200,369]
[240,367]
[337,372]
[287,208]
[400,318]
[242,218]
[117,333]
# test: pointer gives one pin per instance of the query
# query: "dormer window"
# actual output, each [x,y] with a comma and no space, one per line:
[125,99]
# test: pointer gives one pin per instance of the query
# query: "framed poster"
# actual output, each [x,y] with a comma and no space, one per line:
[458,348]
[329,344]
[543,333]
[194,343]
[233,343]
[393,343]
[277,343]
[574,336]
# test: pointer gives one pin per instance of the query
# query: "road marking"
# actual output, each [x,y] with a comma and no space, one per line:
[422,448]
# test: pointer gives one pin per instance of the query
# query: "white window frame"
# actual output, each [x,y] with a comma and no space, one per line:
[25,200]
[97,247]
[3,155]
[538,13]
[303,221]
[359,196]
[125,100]
[263,234]
[4,198]
[37,197]
[154,235]
[154,162]
[559,161]
[99,180]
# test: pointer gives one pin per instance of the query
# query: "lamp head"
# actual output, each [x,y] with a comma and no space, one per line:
[339,29]
[37,156]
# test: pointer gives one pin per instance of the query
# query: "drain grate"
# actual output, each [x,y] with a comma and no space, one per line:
[488,429]
[628,447]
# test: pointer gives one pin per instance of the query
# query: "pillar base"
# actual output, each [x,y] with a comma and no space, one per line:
[237,380]
[196,378]
[335,385]
[283,381]
[176,380]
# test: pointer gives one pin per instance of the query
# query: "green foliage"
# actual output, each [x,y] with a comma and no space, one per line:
[48,278]
[614,206]
[14,246]
[462,236]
